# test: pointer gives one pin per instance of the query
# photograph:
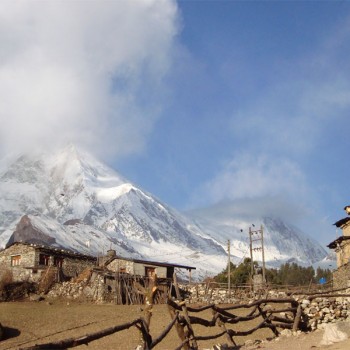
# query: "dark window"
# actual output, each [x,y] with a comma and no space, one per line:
[44,259]
[150,271]
[57,261]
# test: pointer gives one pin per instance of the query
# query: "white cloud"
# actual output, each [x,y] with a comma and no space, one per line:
[82,72]
[247,176]
[258,185]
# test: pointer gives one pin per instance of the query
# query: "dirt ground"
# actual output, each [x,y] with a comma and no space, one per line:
[312,340]
[30,323]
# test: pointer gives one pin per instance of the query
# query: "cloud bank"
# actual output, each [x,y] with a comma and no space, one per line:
[257,185]
[83,72]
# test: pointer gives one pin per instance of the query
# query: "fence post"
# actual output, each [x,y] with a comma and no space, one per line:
[187,318]
[297,318]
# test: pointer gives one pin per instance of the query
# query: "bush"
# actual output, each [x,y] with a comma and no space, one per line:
[6,277]
[17,291]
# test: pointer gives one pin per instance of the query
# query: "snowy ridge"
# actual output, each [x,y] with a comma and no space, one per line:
[282,242]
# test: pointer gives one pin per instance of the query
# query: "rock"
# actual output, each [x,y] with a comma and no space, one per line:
[35,297]
[312,310]
[220,347]
[286,333]
[305,303]
[332,334]
[337,313]
[249,342]
[88,292]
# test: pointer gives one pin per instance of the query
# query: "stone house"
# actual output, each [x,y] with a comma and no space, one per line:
[29,262]
[142,268]
[123,278]
[341,246]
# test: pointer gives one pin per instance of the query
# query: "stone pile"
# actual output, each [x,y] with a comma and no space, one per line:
[325,310]
[92,290]
[210,294]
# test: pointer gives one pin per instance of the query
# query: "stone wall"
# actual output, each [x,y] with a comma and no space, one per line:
[341,277]
[212,294]
[135,268]
[315,312]
[88,289]
[29,268]
[346,229]
[117,265]
[325,310]
[21,272]
[72,267]
[27,253]
[343,252]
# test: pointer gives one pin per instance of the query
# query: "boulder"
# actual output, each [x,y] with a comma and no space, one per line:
[332,334]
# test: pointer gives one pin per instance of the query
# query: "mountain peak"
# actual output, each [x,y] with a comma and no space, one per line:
[70,151]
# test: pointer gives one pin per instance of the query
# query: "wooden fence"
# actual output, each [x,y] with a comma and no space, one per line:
[267,313]
[246,287]
[129,289]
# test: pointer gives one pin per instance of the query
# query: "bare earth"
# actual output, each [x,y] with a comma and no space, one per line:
[30,323]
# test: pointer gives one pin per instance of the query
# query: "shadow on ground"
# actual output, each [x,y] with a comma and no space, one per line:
[8,333]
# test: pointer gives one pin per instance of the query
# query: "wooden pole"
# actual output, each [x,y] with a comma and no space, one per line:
[229,268]
[186,316]
[297,319]
[263,253]
[251,256]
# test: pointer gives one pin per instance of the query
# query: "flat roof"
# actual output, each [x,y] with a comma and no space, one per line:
[341,222]
[337,241]
[157,263]
[58,250]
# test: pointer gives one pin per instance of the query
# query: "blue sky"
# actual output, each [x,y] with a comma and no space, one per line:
[197,102]
[257,107]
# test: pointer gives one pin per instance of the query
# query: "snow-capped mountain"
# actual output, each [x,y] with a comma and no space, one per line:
[72,200]
[282,242]
[72,185]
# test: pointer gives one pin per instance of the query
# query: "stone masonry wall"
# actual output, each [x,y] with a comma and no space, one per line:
[20,272]
[90,288]
[325,310]
[341,277]
[72,267]
[117,264]
[315,312]
[29,268]
[27,253]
